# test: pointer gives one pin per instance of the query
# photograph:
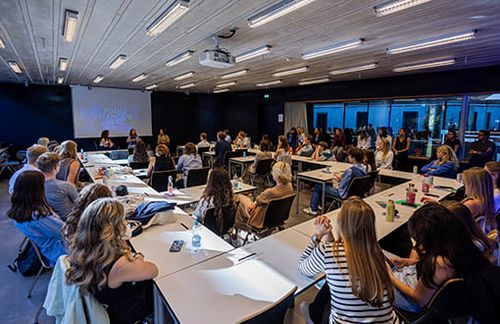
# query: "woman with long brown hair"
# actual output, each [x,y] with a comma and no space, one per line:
[70,167]
[102,263]
[358,282]
[493,168]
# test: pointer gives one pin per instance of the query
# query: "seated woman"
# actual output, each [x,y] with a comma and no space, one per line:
[253,212]
[364,140]
[33,216]
[140,153]
[69,169]
[88,194]
[322,152]
[493,169]
[132,139]
[355,256]
[445,250]
[369,161]
[102,263]
[446,164]
[263,154]
[61,195]
[203,141]
[242,141]
[161,161]
[282,150]
[163,138]
[105,141]
[188,160]
[384,154]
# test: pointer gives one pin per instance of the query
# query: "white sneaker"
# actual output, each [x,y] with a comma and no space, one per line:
[309,211]
[304,309]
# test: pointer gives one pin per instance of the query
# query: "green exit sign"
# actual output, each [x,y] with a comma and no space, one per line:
[266,95]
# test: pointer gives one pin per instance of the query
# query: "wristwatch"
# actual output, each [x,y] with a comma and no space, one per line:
[316,239]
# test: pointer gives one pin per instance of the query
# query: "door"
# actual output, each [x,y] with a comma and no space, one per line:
[321,119]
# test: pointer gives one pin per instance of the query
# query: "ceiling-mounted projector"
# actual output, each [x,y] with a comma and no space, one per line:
[217,57]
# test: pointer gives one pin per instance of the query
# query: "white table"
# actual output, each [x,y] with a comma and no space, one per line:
[242,161]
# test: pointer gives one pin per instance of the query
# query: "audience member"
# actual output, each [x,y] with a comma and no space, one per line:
[319,136]
[70,167]
[282,150]
[33,216]
[221,147]
[162,161]
[263,154]
[446,164]
[452,141]
[227,135]
[203,141]
[371,132]
[338,138]
[383,133]
[189,160]
[43,141]
[301,135]
[364,140]
[401,148]
[384,155]
[140,153]
[369,161]
[322,152]
[163,138]
[32,155]
[306,149]
[354,257]
[293,138]
[105,141]
[493,169]
[102,263]
[61,195]
[132,139]
[241,140]
[482,150]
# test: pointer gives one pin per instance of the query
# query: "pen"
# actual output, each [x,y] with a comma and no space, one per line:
[248,256]
[182,224]
[389,195]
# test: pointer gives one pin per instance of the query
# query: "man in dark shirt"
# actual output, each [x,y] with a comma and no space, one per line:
[482,150]
[452,141]
[221,147]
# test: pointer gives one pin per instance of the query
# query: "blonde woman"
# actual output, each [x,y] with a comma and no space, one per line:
[253,212]
[445,165]
[70,167]
[480,200]
[102,263]
[384,155]
[355,257]
[162,160]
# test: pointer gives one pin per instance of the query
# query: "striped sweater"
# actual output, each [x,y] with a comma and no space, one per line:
[345,307]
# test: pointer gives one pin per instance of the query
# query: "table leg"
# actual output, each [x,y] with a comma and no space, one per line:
[323,197]
[230,170]
[298,193]
[159,312]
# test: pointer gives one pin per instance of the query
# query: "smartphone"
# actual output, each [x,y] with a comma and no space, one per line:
[389,262]
[176,246]
[382,204]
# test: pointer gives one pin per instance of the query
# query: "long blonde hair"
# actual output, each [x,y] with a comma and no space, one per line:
[479,185]
[450,154]
[365,260]
[97,243]
[68,149]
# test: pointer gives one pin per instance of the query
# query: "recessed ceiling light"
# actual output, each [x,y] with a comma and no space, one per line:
[152,86]
[314,81]
[291,72]
[140,77]
[70,24]
[234,74]
[390,7]
[252,53]
[268,83]
[442,40]
[422,66]
[186,86]
[118,61]
[179,58]
[354,69]
[2,44]
[335,48]
[60,80]
[15,67]
[98,79]
[185,76]
[280,9]
[226,84]
[63,64]
[172,14]
[220,90]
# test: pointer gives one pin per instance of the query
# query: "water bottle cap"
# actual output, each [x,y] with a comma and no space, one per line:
[196,223]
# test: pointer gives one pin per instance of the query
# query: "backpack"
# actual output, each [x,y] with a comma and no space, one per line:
[27,261]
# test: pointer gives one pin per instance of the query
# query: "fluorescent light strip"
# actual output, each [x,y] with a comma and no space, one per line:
[152,86]
[391,7]
[279,10]
[2,44]
[171,15]
[291,72]
[234,74]
[98,79]
[186,86]
[185,76]
[63,64]
[70,24]
[118,61]
[424,66]
[335,48]
[220,90]
[179,58]
[60,80]
[15,67]
[268,83]
[354,69]
[226,84]
[450,39]
[253,53]
[140,77]
[314,81]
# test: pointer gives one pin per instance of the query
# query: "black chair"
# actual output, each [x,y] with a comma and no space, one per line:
[359,186]
[274,313]
[138,165]
[202,150]
[277,213]
[262,171]
[373,178]
[197,177]
[228,214]
[232,154]
[159,179]
[45,266]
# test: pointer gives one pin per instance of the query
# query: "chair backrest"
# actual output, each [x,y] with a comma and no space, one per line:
[278,210]
[373,177]
[159,179]
[359,186]
[228,214]
[202,150]
[263,167]
[231,154]
[197,177]
[41,258]
[138,165]
[275,313]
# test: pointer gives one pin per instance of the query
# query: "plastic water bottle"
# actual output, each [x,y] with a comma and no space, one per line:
[170,187]
[82,155]
[235,182]
[107,174]
[196,239]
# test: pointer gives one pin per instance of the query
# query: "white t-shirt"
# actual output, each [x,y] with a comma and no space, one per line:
[12,180]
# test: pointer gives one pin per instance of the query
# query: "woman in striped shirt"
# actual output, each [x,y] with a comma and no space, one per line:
[355,258]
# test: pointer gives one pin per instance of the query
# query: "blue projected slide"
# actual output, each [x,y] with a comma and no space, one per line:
[117,110]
